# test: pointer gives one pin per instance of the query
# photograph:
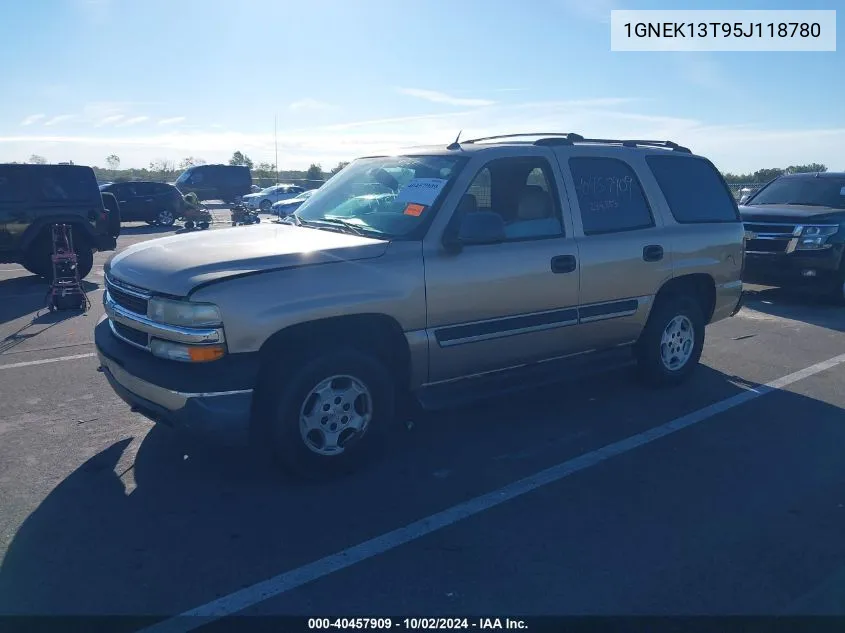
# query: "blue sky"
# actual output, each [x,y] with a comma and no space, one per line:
[166,79]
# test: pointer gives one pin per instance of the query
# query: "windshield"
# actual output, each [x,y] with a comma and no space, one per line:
[387,196]
[817,192]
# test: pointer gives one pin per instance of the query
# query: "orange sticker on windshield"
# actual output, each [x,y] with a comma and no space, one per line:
[414,209]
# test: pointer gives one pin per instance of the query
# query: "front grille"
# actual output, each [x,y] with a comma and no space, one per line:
[767,246]
[768,237]
[130,334]
[127,300]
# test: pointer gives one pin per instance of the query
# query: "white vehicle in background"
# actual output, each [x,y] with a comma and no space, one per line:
[265,198]
[284,208]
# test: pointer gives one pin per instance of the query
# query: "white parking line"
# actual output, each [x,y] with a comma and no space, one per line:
[44,361]
[289,580]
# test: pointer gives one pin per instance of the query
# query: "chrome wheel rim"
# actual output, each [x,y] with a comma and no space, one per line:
[335,412]
[677,343]
[166,218]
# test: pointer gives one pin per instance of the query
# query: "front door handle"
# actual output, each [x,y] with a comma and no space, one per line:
[563,264]
[653,253]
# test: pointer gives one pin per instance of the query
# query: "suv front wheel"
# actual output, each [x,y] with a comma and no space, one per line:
[328,416]
[670,346]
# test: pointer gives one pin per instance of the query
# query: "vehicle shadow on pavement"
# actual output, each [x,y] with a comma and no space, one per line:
[797,306]
[189,521]
[147,229]
[21,296]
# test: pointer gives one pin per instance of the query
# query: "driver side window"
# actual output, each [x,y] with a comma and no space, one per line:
[521,192]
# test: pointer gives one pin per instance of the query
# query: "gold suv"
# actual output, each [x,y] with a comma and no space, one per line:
[437,275]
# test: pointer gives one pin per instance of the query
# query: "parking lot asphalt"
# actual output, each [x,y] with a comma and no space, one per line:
[723,496]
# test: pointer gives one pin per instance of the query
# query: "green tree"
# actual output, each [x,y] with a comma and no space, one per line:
[239,158]
[113,162]
[810,168]
[339,167]
[35,159]
[190,161]
[315,172]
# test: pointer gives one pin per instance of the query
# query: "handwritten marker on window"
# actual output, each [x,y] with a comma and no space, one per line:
[414,209]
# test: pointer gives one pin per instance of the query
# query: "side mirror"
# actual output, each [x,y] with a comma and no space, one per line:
[479,227]
[744,198]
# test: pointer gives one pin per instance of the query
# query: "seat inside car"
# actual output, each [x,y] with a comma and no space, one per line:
[535,215]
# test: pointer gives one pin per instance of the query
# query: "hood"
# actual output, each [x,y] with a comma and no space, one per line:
[284,203]
[790,213]
[250,196]
[175,265]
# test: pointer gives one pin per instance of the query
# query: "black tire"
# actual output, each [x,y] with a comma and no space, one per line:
[836,292]
[189,224]
[203,225]
[280,400]
[652,367]
[38,258]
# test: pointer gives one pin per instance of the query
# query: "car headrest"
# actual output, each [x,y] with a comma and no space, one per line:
[534,203]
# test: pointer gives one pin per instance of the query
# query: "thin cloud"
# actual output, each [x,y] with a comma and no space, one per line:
[32,118]
[441,97]
[308,104]
[736,147]
[109,120]
[59,119]
[135,120]
[172,120]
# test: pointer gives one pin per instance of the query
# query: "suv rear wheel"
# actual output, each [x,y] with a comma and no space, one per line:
[670,346]
[38,257]
[329,415]
[165,217]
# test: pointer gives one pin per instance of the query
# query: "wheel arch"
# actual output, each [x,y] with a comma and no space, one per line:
[700,286]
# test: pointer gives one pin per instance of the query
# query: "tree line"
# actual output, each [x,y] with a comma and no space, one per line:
[165,170]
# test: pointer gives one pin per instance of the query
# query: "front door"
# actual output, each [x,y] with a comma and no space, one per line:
[500,305]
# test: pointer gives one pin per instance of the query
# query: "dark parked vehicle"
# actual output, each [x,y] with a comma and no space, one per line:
[150,202]
[34,197]
[216,182]
[795,233]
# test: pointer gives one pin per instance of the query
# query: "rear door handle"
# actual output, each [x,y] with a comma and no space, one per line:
[653,253]
[563,264]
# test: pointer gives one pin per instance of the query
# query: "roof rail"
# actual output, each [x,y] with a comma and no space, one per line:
[560,135]
[624,142]
[568,138]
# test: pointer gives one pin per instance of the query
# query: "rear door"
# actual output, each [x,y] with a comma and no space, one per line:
[624,254]
[127,198]
[13,205]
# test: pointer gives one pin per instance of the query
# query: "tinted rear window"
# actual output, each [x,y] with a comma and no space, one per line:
[65,185]
[694,190]
[609,195]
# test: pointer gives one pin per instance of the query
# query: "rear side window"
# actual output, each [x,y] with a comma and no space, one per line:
[610,196]
[693,189]
[65,185]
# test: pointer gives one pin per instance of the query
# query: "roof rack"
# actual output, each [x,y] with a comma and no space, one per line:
[628,143]
[562,135]
[569,138]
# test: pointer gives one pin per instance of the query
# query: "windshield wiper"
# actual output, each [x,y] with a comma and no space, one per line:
[346,225]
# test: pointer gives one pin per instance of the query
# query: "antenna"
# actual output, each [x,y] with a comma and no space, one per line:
[456,144]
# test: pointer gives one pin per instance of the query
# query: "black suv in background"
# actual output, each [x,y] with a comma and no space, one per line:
[795,233]
[216,182]
[150,202]
[34,197]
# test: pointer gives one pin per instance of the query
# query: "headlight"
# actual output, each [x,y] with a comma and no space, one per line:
[184,313]
[186,353]
[814,237]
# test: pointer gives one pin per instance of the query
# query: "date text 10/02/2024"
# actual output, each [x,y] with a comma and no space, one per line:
[414,624]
